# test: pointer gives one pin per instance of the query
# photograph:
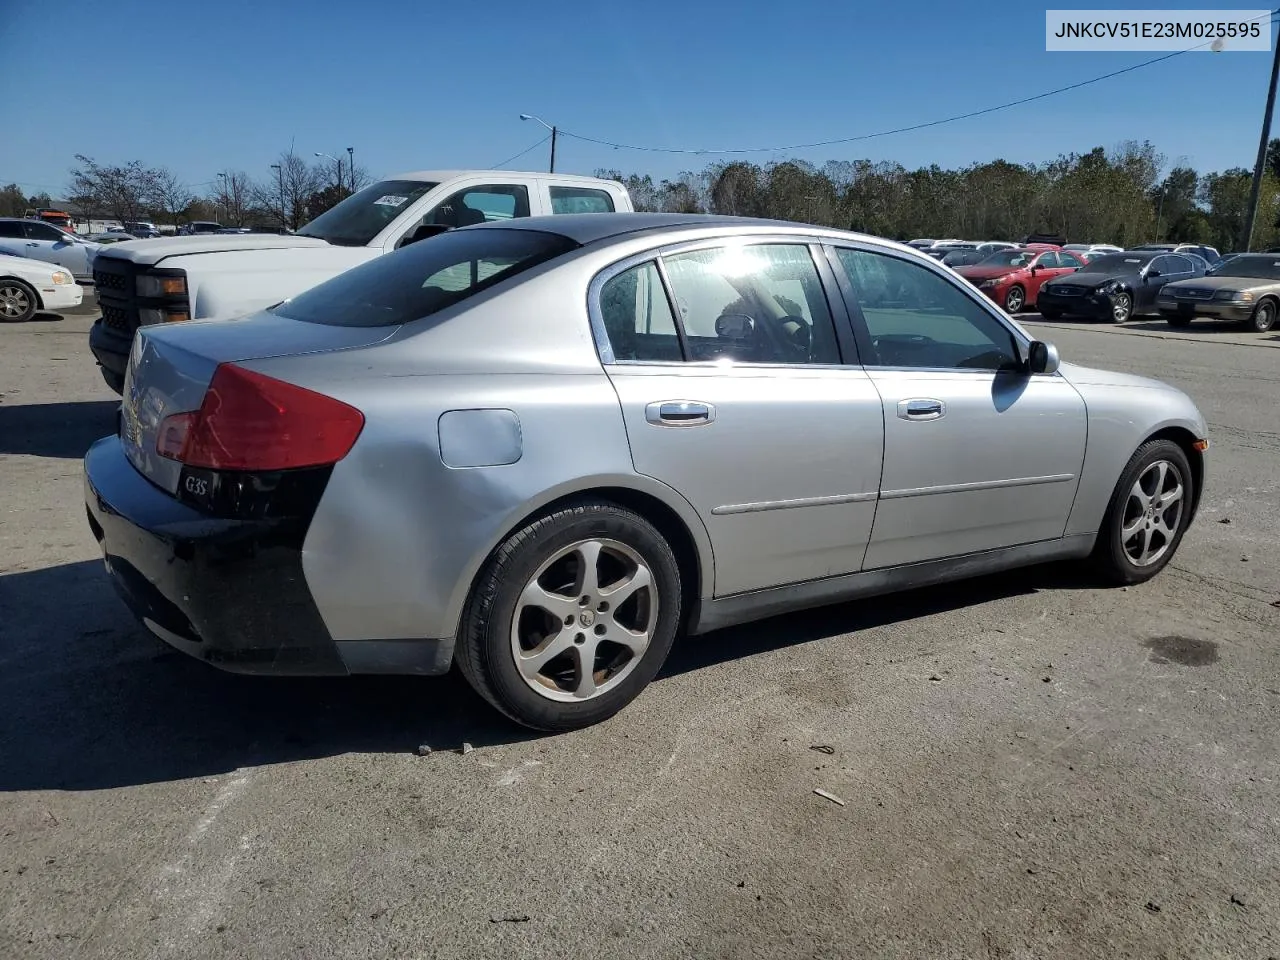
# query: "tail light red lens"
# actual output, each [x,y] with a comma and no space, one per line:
[248,421]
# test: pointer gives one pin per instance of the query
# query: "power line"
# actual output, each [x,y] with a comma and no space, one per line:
[907,129]
[498,166]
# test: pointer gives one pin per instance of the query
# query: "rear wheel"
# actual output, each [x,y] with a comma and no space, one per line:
[1264,317]
[571,617]
[18,301]
[1148,514]
[1015,299]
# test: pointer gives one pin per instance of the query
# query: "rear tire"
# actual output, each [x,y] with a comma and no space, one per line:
[589,583]
[18,301]
[1148,514]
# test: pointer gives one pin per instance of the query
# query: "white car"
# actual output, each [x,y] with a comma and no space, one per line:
[37,240]
[27,286]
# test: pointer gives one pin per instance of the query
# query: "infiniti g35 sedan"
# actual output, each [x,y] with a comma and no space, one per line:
[545,448]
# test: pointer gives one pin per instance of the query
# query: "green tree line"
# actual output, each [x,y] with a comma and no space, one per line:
[1122,196]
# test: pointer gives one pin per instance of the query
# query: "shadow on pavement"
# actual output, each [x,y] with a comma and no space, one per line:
[1198,326]
[55,429]
[89,700]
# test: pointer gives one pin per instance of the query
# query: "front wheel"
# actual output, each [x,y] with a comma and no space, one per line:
[1121,307]
[1178,321]
[1049,314]
[571,617]
[1264,317]
[1015,300]
[1148,514]
[18,302]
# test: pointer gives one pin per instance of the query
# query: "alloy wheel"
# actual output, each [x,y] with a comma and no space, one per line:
[14,302]
[1121,307]
[1152,513]
[584,620]
[1264,317]
[1013,300]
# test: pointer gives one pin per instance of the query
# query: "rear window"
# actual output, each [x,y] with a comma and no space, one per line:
[424,278]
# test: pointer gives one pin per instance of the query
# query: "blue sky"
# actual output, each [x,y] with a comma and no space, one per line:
[227,84]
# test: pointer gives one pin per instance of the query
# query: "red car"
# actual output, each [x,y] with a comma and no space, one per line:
[1012,278]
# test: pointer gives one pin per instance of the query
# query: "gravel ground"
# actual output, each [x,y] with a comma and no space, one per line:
[1029,766]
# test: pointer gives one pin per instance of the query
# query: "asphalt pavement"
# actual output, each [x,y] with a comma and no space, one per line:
[1028,765]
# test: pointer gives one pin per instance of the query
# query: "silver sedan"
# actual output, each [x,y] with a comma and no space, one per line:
[546,447]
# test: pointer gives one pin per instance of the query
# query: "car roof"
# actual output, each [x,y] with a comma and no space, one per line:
[586,228]
[439,176]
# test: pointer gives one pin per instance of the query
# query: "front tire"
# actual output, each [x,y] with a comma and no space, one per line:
[18,301]
[571,616]
[1178,322]
[1121,307]
[1148,514]
[1264,317]
[1050,314]
[1015,300]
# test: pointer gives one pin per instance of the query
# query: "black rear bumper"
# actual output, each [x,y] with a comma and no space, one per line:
[110,347]
[228,587]
[230,592]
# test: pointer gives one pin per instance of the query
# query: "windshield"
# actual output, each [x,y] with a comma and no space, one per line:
[424,278]
[1010,258]
[1258,267]
[362,216]
[1117,263]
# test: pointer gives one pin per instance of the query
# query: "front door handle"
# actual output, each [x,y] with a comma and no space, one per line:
[921,409]
[679,413]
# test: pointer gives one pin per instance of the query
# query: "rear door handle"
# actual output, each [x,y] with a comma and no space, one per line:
[921,409]
[679,413]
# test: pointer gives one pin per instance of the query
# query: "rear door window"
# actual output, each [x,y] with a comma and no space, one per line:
[424,278]
[580,200]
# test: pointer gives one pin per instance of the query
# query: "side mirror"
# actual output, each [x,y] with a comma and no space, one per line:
[1035,268]
[1151,274]
[1042,357]
[735,326]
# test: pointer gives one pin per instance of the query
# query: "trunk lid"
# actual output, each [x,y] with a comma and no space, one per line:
[170,368]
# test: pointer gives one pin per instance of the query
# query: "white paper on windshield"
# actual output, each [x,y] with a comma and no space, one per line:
[391,201]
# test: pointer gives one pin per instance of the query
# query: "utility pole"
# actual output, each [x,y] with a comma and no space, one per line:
[1260,166]
[351,164]
[554,133]
[280,177]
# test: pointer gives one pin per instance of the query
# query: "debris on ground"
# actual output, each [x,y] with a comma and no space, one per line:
[1152,907]
[828,796]
[510,918]
[823,748]
[1044,679]
[1244,559]
[1237,901]
[935,678]
[466,748]
[1224,520]
[424,749]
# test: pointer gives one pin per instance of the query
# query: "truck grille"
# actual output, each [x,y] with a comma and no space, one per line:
[116,282]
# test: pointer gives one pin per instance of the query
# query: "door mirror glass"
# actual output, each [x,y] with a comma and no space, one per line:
[735,326]
[1042,357]
[1152,274]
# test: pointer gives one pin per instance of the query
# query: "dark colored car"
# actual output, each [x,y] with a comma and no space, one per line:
[1117,286]
[199,227]
[963,258]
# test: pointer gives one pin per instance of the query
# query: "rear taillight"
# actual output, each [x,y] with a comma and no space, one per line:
[248,421]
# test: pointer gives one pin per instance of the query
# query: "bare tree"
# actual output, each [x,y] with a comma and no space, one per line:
[122,191]
[233,192]
[169,195]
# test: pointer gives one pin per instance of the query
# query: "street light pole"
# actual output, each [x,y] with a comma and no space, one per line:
[554,133]
[351,166]
[226,197]
[1260,166]
[339,163]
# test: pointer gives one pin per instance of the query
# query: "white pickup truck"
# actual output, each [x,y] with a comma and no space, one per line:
[230,275]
